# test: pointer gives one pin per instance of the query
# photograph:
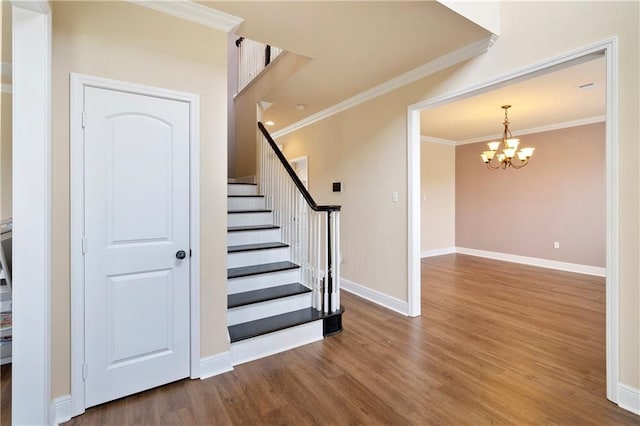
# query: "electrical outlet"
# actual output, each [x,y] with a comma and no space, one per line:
[556,244]
[394,197]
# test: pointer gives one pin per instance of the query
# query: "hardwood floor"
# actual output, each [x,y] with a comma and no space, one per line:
[5,395]
[496,343]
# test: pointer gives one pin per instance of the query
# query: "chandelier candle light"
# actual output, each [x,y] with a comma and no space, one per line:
[505,158]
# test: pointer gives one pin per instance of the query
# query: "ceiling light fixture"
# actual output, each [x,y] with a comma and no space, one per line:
[509,146]
[269,123]
[300,107]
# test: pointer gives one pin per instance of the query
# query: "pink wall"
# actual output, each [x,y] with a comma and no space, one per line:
[559,196]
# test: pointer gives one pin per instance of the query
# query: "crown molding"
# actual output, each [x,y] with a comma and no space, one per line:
[540,129]
[457,56]
[7,69]
[425,138]
[194,12]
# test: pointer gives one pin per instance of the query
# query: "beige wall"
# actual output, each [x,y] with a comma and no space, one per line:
[438,192]
[126,42]
[362,149]
[366,147]
[6,32]
[5,156]
[560,196]
[5,117]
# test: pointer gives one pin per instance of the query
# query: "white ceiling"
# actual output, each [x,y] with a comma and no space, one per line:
[542,101]
[354,46]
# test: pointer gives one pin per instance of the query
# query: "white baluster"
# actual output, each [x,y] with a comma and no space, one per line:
[337,262]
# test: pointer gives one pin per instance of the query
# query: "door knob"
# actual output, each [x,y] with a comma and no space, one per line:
[181,254]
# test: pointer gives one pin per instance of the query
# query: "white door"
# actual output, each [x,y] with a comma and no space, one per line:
[136,221]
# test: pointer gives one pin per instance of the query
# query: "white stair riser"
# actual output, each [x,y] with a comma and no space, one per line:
[268,309]
[256,282]
[242,189]
[246,219]
[257,257]
[242,203]
[253,237]
[273,343]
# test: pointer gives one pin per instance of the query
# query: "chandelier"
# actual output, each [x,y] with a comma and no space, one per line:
[508,152]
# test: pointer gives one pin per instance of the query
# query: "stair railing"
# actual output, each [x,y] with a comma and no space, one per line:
[253,58]
[311,230]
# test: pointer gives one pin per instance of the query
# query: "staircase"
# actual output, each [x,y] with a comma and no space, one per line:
[269,309]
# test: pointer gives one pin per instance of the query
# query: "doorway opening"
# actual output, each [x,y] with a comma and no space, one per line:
[607,48]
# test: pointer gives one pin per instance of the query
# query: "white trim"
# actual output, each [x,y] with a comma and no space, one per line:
[38,6]
[7,88]
[629,398]
[437,252]
[31,369]
[610,47]
[215,364]
[414,205]
[613,214]
[374,296]
[62,409]
[77,84]
[535,261]
[194,230]
[194,12]
[457,56]
[433,139]
[7,69]
[539,129]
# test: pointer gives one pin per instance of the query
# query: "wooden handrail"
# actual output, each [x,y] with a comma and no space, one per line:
[296,180]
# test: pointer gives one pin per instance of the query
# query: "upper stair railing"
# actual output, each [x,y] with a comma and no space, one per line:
[311,230]
[253,58]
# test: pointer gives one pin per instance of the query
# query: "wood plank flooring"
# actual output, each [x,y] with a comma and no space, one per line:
[496,343]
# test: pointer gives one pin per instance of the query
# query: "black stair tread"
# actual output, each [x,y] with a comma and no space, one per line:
[249,211]
[252,228]
[263,268]
[247,330]
[265,294]
[245,196]
[258,246]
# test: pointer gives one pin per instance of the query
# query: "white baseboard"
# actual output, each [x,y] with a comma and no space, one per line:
[374,296]
[62,409]
[629,398]
[437,252]
[534,261]
[215,364]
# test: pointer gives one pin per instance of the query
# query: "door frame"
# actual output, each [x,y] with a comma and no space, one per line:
[610,49]
[78,82]
[31,103]
[302,160]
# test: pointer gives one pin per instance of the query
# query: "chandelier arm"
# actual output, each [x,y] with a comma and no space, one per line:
[522,164]
[489,166]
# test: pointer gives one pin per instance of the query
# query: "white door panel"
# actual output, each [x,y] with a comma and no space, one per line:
[136,219]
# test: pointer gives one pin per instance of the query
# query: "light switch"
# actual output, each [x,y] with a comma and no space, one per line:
[394,197]
[556,244]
